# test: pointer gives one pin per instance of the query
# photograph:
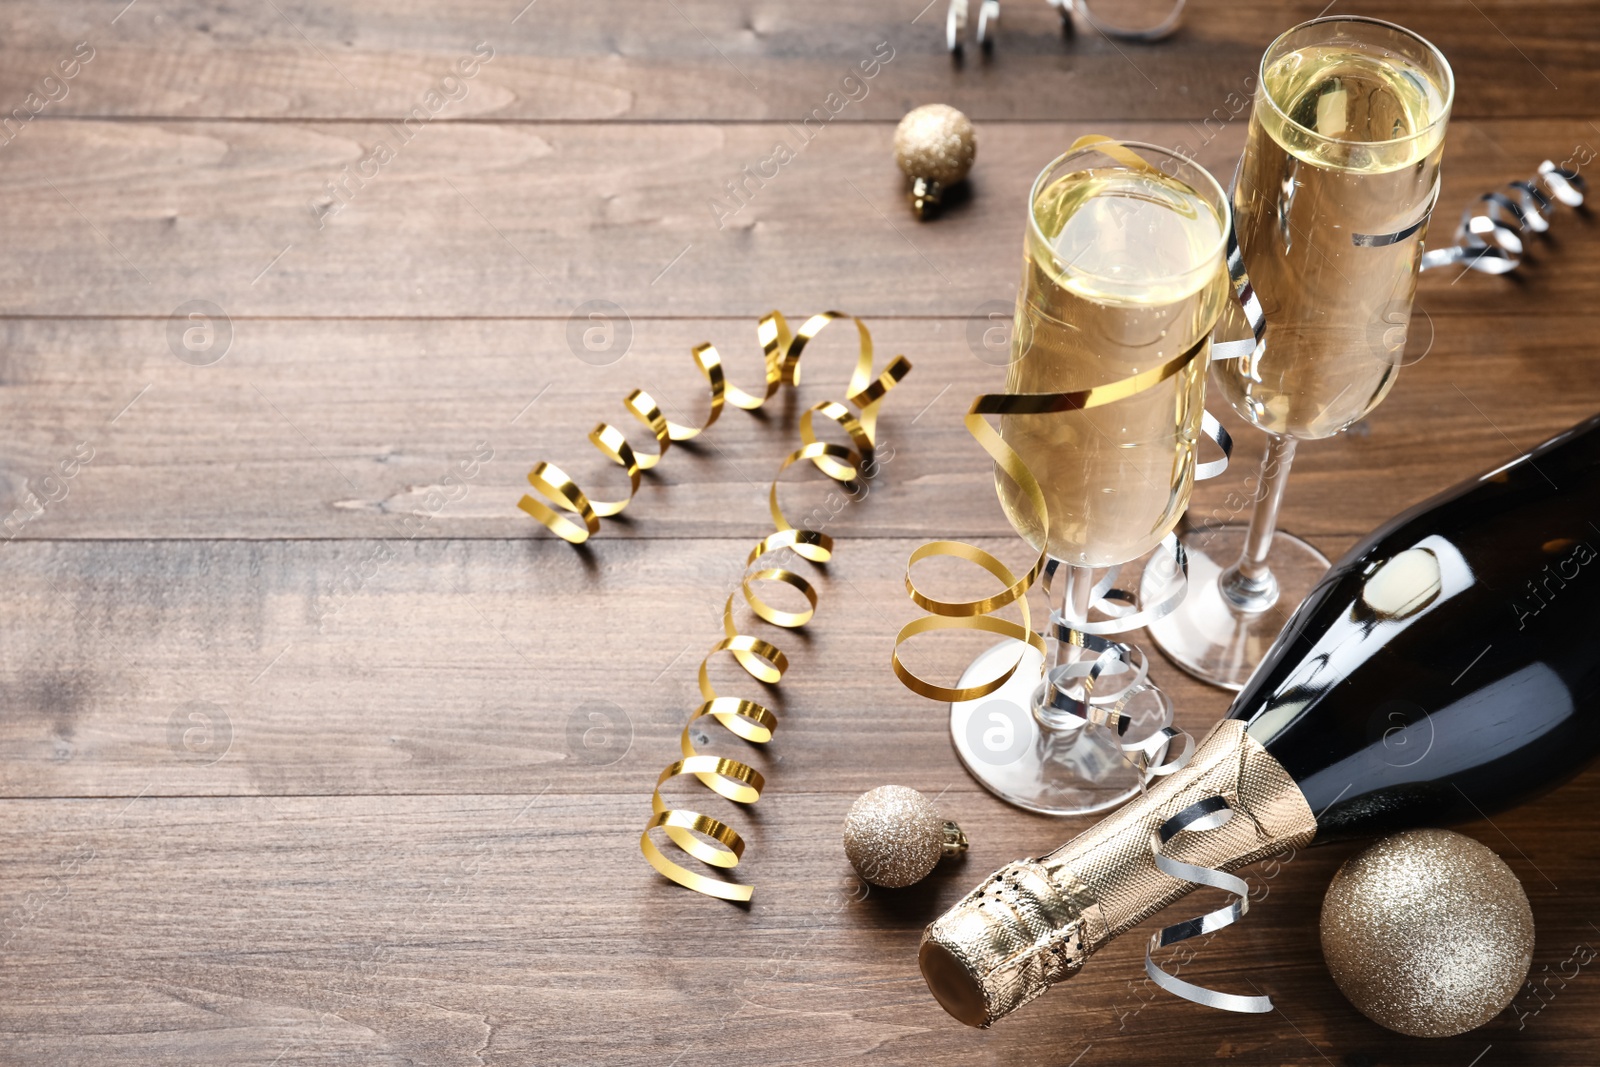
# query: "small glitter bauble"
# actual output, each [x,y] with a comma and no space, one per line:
[1428,933]
[894,836]
[935,147]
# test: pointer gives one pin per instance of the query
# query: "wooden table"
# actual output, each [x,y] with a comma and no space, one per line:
[317,750]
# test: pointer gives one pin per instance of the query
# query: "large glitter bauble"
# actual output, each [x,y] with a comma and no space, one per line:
[1428,933]
[894,836]
[935,142]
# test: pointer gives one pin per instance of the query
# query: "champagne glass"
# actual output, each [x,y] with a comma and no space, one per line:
[1124,274]
[1332,199]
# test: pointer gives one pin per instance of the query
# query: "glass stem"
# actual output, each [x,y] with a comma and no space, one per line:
[1248,586]
[1077,593]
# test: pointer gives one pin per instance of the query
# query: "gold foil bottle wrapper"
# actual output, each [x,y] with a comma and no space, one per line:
[570,513]
[1036,921]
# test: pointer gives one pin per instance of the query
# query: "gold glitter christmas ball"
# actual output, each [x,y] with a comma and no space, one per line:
[934,146]
[1428,933]
[894,836]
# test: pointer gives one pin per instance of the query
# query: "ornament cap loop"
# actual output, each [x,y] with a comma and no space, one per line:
[926,195]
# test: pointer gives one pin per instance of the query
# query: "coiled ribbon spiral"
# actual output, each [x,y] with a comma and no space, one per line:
[1489,239]
[1207,814]
[576,516]
[989,17]
[781,350]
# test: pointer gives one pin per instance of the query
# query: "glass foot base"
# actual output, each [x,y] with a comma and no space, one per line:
[1053,772]
[1206,635]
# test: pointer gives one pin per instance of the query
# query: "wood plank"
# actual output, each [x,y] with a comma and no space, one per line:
[699,59]
[317,667]
[361,429]
[474,929]
[137,219]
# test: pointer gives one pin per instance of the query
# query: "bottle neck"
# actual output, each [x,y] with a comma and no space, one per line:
[1034,922]
[1113,863]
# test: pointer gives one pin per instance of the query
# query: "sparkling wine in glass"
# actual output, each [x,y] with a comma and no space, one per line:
[1339,175]
[1123,274]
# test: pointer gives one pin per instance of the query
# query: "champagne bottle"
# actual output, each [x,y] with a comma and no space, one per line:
[1447,668]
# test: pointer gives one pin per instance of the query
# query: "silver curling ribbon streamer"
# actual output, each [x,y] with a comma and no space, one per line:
[1490,237]
[1154,31]
[1210,427]
[955,23]
[1382,240]
[1151,754]
[1207,814]
[1250,303]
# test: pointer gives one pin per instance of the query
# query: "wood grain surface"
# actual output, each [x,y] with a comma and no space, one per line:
[316,750]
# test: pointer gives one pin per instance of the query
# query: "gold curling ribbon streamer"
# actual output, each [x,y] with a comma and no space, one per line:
[781,351]
[763,661]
